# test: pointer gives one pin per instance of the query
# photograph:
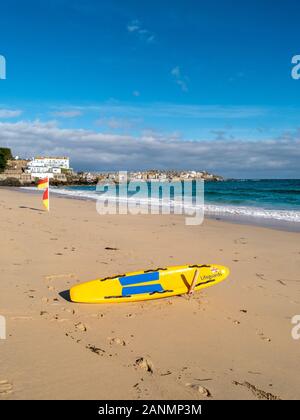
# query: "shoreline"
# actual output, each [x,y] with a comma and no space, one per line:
[282,225]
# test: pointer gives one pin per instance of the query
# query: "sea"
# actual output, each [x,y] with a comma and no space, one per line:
[262,201]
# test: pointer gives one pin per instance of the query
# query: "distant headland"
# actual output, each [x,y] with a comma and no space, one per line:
[16,171]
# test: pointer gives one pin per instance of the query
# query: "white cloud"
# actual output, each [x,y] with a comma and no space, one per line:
[169,110]
[99,151]
[67,114]
[180,80]
[136,93]
[116,123]
[176,71]
[133,26]
[136,27]
[10,113]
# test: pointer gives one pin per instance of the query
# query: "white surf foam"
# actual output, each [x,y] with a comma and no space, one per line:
[209,209]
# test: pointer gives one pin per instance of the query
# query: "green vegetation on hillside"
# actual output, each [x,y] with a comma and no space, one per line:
[5,155]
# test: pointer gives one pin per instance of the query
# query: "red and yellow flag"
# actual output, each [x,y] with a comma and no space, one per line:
[43,184]
[46,199]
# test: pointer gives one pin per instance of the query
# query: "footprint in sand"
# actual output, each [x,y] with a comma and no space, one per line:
[95,349]
[138,389]
[241,241]
[73,338]
[117,341]
[71,311]
[145,364]
[199,389]
[263,337]
[259,393]
[55,301]
[5,387]
[80,327]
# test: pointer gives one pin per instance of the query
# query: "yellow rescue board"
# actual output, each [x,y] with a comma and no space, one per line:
[148,285]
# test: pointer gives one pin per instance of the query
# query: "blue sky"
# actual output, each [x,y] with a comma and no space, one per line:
[138,84]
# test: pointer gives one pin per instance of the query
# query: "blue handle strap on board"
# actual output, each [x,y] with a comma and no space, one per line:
[139,278]
[137,290]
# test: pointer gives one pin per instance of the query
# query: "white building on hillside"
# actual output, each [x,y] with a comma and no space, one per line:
[41,167]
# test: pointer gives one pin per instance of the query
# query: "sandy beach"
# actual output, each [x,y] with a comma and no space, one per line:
[231,341]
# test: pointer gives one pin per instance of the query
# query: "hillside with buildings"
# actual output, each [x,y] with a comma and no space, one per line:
[17,171]
[28,171]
